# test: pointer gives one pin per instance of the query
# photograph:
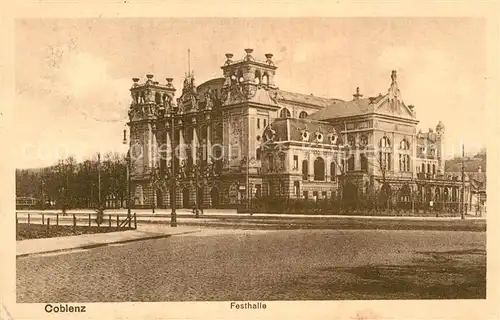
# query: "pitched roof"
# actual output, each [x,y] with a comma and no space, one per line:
[308,99]
[346,108]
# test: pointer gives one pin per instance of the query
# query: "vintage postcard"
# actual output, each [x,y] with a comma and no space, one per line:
[293,162]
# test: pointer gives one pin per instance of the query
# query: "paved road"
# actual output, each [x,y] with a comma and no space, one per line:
[264,265]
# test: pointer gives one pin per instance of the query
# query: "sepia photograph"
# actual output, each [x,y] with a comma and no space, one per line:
[249,160]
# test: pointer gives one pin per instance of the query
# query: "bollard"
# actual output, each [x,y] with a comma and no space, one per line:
[117,221]
[57,219]
[135,221]
[89,220]
[47,230]
[110,221]
[43,219]
[74,224]
[28,219]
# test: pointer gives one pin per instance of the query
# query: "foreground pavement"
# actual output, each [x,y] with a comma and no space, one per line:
[258,265]
[85,241]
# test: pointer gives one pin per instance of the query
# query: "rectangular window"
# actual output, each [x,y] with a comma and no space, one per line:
[265,123]
[305,194]
[295,162]
[258,123]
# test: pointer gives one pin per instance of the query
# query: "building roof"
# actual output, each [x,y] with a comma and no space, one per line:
[347,108]
[302,130]
[307,99]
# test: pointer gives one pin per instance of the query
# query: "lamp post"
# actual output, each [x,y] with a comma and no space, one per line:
[128,169]
[173,180]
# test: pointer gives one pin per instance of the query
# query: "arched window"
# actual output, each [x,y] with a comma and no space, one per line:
[423,167]
[158,98]
[240,76]
[305,170]
[364,162]
[333,171]
[284,113]
[385,154]
[234,79]
[350,163]
[265,78]
[351,140]
[296,188]
[319,169]
[405,145]
[258,77]
[302,114]
[385,142]
[428,168]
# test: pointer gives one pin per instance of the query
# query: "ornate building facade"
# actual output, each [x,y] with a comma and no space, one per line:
[240,136]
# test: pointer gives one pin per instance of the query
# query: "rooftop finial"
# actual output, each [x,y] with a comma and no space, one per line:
[357,95]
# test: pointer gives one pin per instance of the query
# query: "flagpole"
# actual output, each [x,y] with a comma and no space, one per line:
[462,205]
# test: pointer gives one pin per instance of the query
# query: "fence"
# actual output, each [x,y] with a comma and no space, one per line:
[336,206]
[52,221]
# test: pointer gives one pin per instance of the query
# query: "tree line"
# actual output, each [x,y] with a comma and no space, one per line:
[71,184]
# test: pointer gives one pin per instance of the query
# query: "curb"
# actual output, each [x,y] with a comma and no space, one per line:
[104,244]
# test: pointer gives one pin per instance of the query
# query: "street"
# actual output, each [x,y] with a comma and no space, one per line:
[224,264]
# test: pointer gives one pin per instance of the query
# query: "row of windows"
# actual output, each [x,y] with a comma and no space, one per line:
[285,113]
[264,122]
[430,169]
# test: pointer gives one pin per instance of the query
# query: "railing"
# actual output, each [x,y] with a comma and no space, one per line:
[82,221]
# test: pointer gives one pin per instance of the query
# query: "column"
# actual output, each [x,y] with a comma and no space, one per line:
[194,145]
[209,142]
[168,142]
[181,145]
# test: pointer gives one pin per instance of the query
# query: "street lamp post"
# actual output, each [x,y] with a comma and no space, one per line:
[128,159]
[173,214]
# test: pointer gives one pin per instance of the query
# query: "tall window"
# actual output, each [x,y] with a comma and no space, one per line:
[404,162]
[333,171]
[319,169]
[270,162]
[296,162]
[434,168]
[284,113]
[423,167]
[385,154]
[350,163]
[305,170]
[296,188]
[282,162]
[258,123]
[265,123]
[364,162]
[258,153]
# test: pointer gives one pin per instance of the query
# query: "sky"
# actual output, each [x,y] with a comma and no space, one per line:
[73,76]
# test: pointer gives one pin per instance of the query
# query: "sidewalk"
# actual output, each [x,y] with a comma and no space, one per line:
[85,241]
